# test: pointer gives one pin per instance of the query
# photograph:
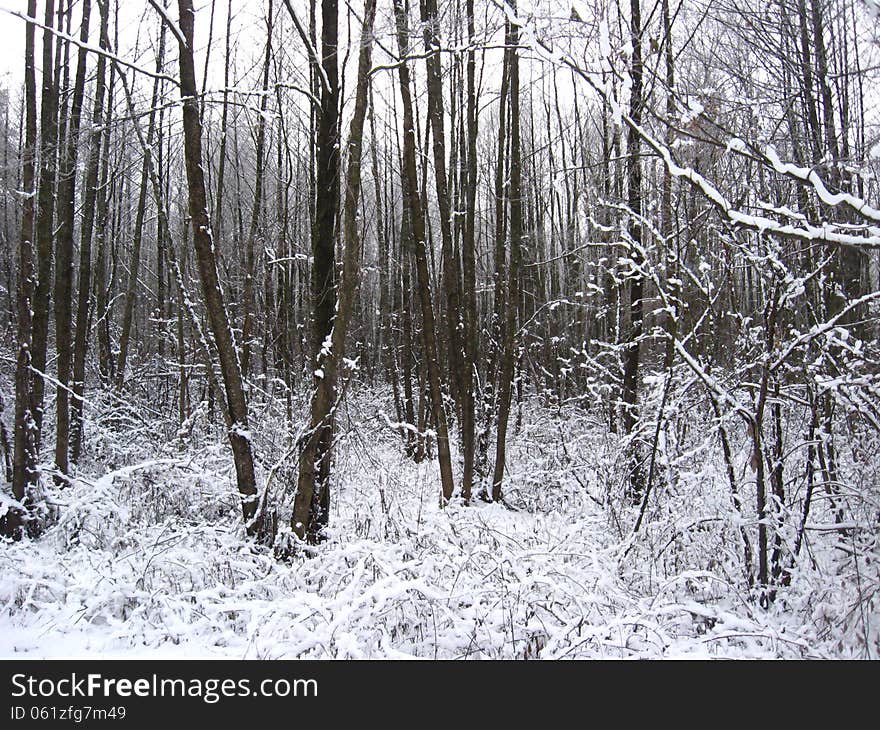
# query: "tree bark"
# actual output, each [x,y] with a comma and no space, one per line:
[311,514]
[255,231]
[508,354]
[469,269]
[45,222]
[416,214]
[239,436]
[64,257]
[24,463]
[496,324]
[451,270]
[90,186]
[631,348]
[314,464]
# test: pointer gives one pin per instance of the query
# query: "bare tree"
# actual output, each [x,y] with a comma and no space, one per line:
[25,473]
[84,280]
[45,221]
[312,504]
[64,255]
[508,348]
[415,214]
[239,435]
[139,224]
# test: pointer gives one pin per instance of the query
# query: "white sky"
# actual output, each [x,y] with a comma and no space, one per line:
[12,47]
[138,21]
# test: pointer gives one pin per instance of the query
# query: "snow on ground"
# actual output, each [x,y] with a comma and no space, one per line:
[148,560]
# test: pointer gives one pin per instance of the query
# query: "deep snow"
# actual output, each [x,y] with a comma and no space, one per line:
[148,559]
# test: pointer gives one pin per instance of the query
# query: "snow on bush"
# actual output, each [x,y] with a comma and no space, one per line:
[148,558]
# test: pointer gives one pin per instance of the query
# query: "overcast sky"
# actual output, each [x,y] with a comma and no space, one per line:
[138,21]
[12,46]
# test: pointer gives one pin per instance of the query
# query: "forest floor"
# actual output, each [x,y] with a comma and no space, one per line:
[147,559]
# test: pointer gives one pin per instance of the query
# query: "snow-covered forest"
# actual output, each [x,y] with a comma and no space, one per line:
[522,329]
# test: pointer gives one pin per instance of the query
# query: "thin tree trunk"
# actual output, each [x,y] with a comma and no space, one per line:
[24,462]
[414,441]
[469,267]
[224,123]
[508,355]
[254,232]
[631,351]
[162,238]
[239,436]
[106,366]
[135,266]
[496,325]
[44,226]
[64,257]
[414,204]
[386,333]
[183,377]
[90,186]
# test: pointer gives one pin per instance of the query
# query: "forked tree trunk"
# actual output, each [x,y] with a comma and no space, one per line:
[314,464]
[508,354]
[414,205]
[311,514]
[451,270]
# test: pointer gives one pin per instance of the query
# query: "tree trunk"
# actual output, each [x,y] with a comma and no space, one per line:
[24,463]
[508,353]
[311,514]
[134,267]
[469,267]
[64,257]
[496,325]
[90,186]
[414,205]
[45,223]
[314,462]
[451,270]
[255,232]
[239,436]
[631,351]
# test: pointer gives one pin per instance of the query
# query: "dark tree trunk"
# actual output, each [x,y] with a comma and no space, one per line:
[45,223]
[312,504]
[417,221]
[314,463]
[508,349]
[239,436]
[24,462]
[631,349]
[469,268]
[64,257]
[90,187]
[451,269]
